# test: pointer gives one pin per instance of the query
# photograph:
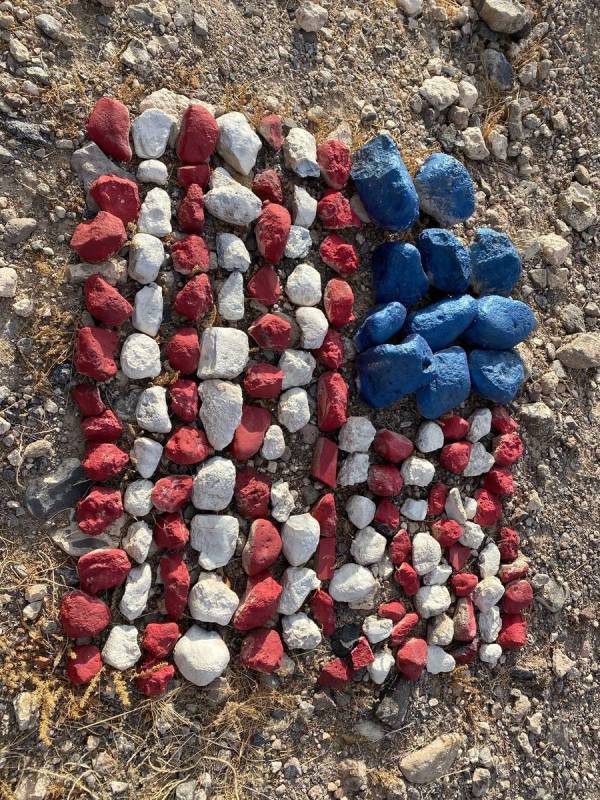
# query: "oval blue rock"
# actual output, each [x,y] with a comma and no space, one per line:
[441,323]
[500,323]
[445,259]
[398,274]
[450,385]
[496,374]
[390,371]
[445,189]
[495,263]
[380,325]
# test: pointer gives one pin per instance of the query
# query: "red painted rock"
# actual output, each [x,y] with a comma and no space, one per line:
[324,462]
[264,286]
[514,571]
[262,547]
[447,532]
[271,231]
[259,604]
[457,556]
[400,547]
[335,212]
[100,238]
[194,173]
[108,126]
[190,214]
[250,433]
[95,351]
[393,610]
[467,653]
[325,558]
[190,254]
[508,449]
[322,609]
[176,583]
[513,633]
[83,663]
[508,544]
[104,427]
[183,351]
[335,159]
[195,299]
[362,655]
[172,493]
[98,510]
[82,615]
[271,129]
[183,399]
[335,674]
[188,446]
[338,300]
[338,254]
[104,461]
[332,401]
[87,399]
[406,577]
[436,502]
[198,135]
[489,508]
[104,302]
[499,480]
[267,186]
[331,352]
[103,569]
[160,638]
[171,532]
[453,427]
[465,622]
[463,584]
[502,422]
[271,332]
[252,493]
[411,659]
[153,678]
[262,650]
[263,381]
[455,457]
[385,480]
[325,512]
[517,597]
[387,514]
[392,446]
[119,196]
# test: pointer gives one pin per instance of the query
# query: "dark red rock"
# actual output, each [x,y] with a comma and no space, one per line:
[195,299]
[508,544]
[338,254]
[108,126]
[508,449]
[171,532]
[190,214]
[436,502]
[271,231]
[194,173]
[489,508]
[324,462]
[172,493]
[453,427]
[104,302]
[400,547]
[331,352]
[465,622]
[324,511]
[88,400]
[267,186]
[98,510]
[271,129]
[455,457]
[387,514]
[325,558]
[335,674]
[271,332]
[322,609]
[467,653]
[502,422]
[183,351]
[517,597]
[160,638]
[335,159]
[338,301]
[252,493]
[385,480]
[262,547]
[259,604]
[513,633]
[95,350]
[362,655]
[250,433]
[103,569]
[190,254]
[411,659]
[198,135]
[176,583]
[457,556]
[83,663]
[262,650]
[263,381]
[463,584]
[188,446]
[514,571]
[82,615]
[332,401]
[335,212]
[406,577]
[447,532]
[499,480]
[104,461]
[183,399]
[264,286]
[100,238]
[119,196]
[393,610]
[153,678]
[392,446]
[104,427]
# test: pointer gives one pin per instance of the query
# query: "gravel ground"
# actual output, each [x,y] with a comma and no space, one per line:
[528,728]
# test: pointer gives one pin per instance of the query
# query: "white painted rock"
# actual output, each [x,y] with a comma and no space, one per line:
[147,454]
[480,424]
[454,507]
[121,649]
[151,411]
[305,207]
[233,203]
[297,583]
[351,582]
[487,593]
[148,309]
[221,411]
[137,588]
[438,660]
[438,575]
[354,470]
[273,445]
[230,303]
[151,132]
[153,171]
[223,353]
[300,537]
[211,600]
[431,601]
[298,367]
[303,286]
[238,143]
[356,435]
[472,535]
[417,471]
[299,632]
[201,656]
[377,629]
[430,437]
[300,151]
[313,325]
[489,623]
[380,667]
[490,654]
[215,537]
[146,257]
[470,506]
[480,461]
[293,411]
[298,243]
[360,510]
[214,484]
[489,560]
[137,541]
[232,253]
[8,282]
[137,499]
[155,214]
[140,357]
[220,177]
[415,510]
[440,631]
[368,546]
[282,501]
[426,553]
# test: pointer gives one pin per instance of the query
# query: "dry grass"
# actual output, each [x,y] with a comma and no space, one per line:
[53,341]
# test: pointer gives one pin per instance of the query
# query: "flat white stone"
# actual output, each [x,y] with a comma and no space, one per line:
[305,207]
[153,171]
[293,411]
[146,257]
[151,411]
[351,582]
[155,213]
[368,546]
[147,454]
[489,624]
[440,630]
[490,654]
[431,601]
[297,583]
[438,660]
[303,286]
[415,510]
[137,541]
[487,593]
[137,499]
[121,649]
[417,471]
[238,143]
[472,535]
[313,325]
[360,510]
[220,412]
[220,177]
[300,152]
[230,303]
[232,253]
[282,501]
[354,470]
[300,537]
[299,632]
[470,506]
[223,353]
[137,588]
[233,203]
[438,575]
[426,553]
[298,367]
[489,560]
[480,461]
[148,309]
[377,629]
[454,507]
[430,437]
[298,243]
[211,600]
[273,446]
[140,357]
[201,656]
[151,132]
[356,435]
[214,484]
[215,537]
[480,424]
[380,667]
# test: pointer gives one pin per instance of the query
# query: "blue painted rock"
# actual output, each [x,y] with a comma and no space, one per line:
[500,323]
[398,274]
[384,184]
[496,374]
[441,323]
[495,263]
[450,385]
[445,259]
[390,371]
[380,325]
[445,189]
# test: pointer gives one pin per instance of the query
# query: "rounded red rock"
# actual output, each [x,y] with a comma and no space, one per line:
[195,299]
[335,674]
[323,610]
[83,663]
[183,399]
[104,302]
[95,350]
[331,352]
[171,532]
[250,433]
[271,332]
[172,493]
[325,512]
[332,401]
[198,135]
[263,381]
[108,127]
[411,659]
[392,446]
[335,212]
[517,597]
[183,350]
[188,446]
[252,493]
[324,462]
[82,615]
[103,569]
[338,254]
[88,400]
[98,510]
[455,457]
[190,254]
[104,461]
[262,547]
[118,196]
[453,427]
[160,638]
[338,300]
[193,173]
[267,186]
[104,427]
[489,508]
[385,480]
[436,502]
[190,214]
[100,238]
[262,650]
[508,449]
[176,583]
[335,159]
[259,604]
[264,286]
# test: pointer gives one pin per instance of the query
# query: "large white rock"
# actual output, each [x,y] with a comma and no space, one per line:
[223,353]
[439,92]
[313,325]
[489,560]
[293,411]
[454,507]
[298,367]
[137,588]
[273,445]
[300,537]
[426,553]
[151,132]
[440,630]
[354,470]
[487,593]
[415,510]
[356,435]
[214,484]
[438,575]
[417,471]
[297,583]
[351,582]
[480,424]
[303,286]
[140,357]
[147,454]
[490,654]
[211,600]
[232,253]
[377,629]
[430,437]
[238,143]
[305,207]
[368,546]
[146,257]
[137,500]
[148,309]
[480,461]
[299,632]
[121,649]
[137,541]
[230,302]
[300,151]
[380,667]
[472,535]
[233,203]
[360,510]
[438,660]
[153,171]
[215,537]
[201,656]
[431,601]
[155,213]
[489,623]
[221,411]
[282,501]
[151,411]
[298,242]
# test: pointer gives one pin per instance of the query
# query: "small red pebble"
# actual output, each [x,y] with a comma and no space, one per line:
[324,462]
[338,254]
[98,510]
[172,493]
[194,173]
[455,457]
[508,449]
[83,615]
[513,633]
[406,577]
[176,581]
[332,401]
[183,351]
[463,583]
[267,186]
[262,547]
[517,597]
[335,674]
[508,544]
[387,514]
[362,655]
[250,433]
[108,126]
[95,351]
[385,480]
[190,254]
[271,129]
[252,493]
[467,652]
[271,332]
[457,556]
[502,422]
[259,604]
[331,352]
[119,196]
[392,446]
[264,286]
[104,427]
[514,571]
[499,480]
[88,400]
[104,302]
[103,569]
[188,446]
[183,399]
[262,650]
[100,238]
[453,427]
[322,608]
[335,212]
[436,502]
[324,511]
[171,532]
[104,461]
[195,299]
[447,532]
[153,678]
[393,610]
[160,638]
[465,621]
[338,300]
[335,159]
[190,214]
[489,508]
[325,558]
[198,135]
[263,381]
[400,547]
[411,659]
[83,663]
